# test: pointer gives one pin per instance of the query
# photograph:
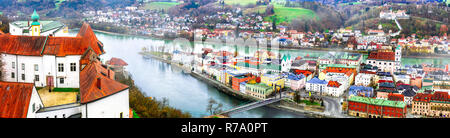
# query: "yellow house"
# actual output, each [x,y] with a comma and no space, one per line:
[273,80]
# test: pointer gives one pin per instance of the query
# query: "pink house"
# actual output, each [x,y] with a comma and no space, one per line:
[296,82]
[416,82]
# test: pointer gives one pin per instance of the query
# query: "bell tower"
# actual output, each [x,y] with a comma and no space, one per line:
[35,25]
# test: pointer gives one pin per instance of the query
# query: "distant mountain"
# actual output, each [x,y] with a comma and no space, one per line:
[65,8]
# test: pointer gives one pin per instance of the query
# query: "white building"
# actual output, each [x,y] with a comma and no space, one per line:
[363,79]
[38,28]
[335,89]
[46,61]
[390,15]
[286,63]
[385,61]
[316,85]
[100,95]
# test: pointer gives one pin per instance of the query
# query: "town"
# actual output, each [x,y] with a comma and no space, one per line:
[47,73]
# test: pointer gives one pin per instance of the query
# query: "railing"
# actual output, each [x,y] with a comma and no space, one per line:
[250,106]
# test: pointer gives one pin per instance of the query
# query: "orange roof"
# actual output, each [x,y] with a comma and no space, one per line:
[346,72]
[15,99]
[304,72]
[93,76]
[58,46]
[117,62]
[382,56]
[395,97]
[1,32]
[334,84]
[88,56]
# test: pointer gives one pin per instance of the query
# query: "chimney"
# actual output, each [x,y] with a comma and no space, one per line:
[99,83]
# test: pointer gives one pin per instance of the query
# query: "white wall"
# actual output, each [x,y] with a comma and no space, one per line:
[71,78]
[108,107]
[14,30]
[59,113]
[47,66]
[36,100]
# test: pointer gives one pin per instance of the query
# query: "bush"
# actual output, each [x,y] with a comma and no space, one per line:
[146,107]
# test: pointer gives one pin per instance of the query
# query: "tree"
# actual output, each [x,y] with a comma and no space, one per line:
[4,26]
[443,29]
[213,107]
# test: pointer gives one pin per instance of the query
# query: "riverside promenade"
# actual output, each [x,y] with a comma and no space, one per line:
[282,105]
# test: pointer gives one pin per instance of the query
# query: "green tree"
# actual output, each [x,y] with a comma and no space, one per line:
[213,107]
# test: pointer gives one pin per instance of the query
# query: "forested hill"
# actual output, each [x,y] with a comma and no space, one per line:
[65,8]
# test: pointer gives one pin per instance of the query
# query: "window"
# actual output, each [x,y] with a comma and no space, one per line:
[64,115]
[34,107]
[121,114]
[23,76]
[36,77]
[23,66]
[73,66]
[13,65]
[13,75]
[60,67]
[61,80]
[36,67]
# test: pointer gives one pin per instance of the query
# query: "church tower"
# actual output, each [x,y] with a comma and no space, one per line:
[398,56]
[35,25]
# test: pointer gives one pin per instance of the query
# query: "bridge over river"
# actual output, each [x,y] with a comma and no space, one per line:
[252,105]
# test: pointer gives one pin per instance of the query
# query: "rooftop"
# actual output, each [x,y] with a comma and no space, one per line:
[376,55]
[316,80]
[378,102]
[58,46]
[117,62]
[15,99]
[95,84]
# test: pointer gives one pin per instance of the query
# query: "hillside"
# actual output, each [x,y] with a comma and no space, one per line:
[159,5]
[287,14]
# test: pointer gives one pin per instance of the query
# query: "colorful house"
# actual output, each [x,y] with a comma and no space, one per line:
[295,82]
[273,80]
[258,90]
[361,91]
[334,88]
[316,85]
[375,108]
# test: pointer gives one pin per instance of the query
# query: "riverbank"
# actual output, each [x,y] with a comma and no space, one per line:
[308,110]
[432,56]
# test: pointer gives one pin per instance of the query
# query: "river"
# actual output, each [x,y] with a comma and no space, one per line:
[184,92]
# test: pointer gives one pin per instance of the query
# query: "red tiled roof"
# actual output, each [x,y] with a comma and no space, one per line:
[59,46]
[304,72]
[15,99]
[440,96]
[422,97]
[334,84]
[395,97]
[382,56]
[117,62]
[89,78]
